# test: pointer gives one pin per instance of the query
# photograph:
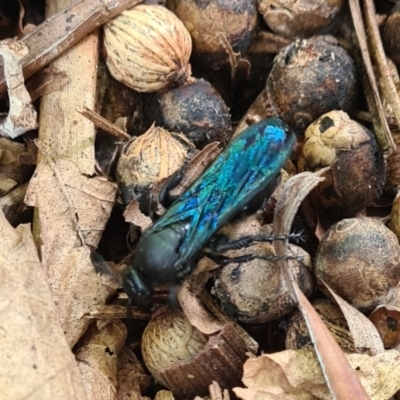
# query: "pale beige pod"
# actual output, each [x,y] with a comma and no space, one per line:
[147,48]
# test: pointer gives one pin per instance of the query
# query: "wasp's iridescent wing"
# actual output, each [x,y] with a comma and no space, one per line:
[245,168]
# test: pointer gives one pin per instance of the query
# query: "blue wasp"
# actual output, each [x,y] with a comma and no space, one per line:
[238,177]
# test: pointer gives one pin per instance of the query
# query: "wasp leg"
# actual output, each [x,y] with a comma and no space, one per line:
[221,243]
[173,298]
[100,265]
[164,197]
[224,260]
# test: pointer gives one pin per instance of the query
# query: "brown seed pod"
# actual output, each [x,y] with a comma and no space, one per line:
[391,34]
[147,48]
[217,27]
[148,159]
[255,291]
[169,337]
[386,319]
[309,78]
[298,336]
[359,258]
[357,171]
[298,18]
[195,109]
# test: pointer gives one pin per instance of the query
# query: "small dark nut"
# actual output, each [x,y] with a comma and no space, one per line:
[148,159]
[357,173]
[298,336]
[255,291]
[359,258]
[195,109]
[309,78]
[217,28]
[169,337]
[298,18]
[391,35]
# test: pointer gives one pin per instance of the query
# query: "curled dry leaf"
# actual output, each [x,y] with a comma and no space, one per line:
[294,375]
[133,215]
[39,363]
[340,378]
[364,333]
[84,206]
[97,356]
[22,116]
[196,313]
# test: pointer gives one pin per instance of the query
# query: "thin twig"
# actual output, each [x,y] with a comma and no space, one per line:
[102,123]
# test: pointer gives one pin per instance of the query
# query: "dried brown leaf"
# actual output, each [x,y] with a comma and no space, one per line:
[38,363]
[295,375]
[97,356]
[340,378]
[196,313]
[133,215]
[364,333]
[73,211]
